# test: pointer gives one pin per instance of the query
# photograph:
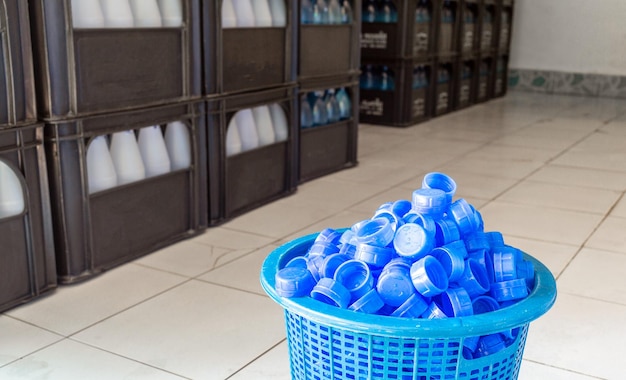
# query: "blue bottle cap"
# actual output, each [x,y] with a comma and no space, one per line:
[412,241]
[375,257]
[357,226]
[386,310]
[294,282]
[314,265]
[424,221]
[441,181]
[331,263]
[376,231]
[471,343]
[348,249]
[394,285]
[434,312]
[476,241]
[463,215]
[484,304]
[474,279]
[485,259]
[429,277]
[401,207]
[413,307]
[356,276]
[504,266]
[328,235]
[390,216]
[526,270]
[323,249]
[509,290]
[455,302]
[495,239]
[297,262]
[369,303]
[451,257]
[446,231]
[489,345]
[478,218]
[385,206]
[347,237]
[431,202]
[331,292]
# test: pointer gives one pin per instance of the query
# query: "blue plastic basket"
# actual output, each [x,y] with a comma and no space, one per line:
[327,342]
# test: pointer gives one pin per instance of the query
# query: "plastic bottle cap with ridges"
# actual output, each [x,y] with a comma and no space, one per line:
[412,241]
[509,290]
[455,302]
[370,303]
[429,277]
[331,263]
[431,202]
[377,257]
[394,285]
[436,180]
[331,292]
[413,307]
[474,279]
[356,276]
[294,282]
[378,232]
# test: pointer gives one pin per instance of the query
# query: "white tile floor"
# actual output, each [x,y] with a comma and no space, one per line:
[547,171]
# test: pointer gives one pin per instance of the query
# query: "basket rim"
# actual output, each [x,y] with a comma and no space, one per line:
[538,302]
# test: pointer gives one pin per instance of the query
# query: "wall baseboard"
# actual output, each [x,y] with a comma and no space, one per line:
[556,82]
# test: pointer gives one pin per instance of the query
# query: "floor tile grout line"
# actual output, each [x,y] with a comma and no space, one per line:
[564,369]
[256,358]
[593,298]
[61,338]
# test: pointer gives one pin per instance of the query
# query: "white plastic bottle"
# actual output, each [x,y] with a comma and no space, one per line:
[233,141]
[11,193]
[153,151]
[87,14]
[178,143]
[100,169]
[117,14]
[244,13]
[247,130]
[279,120]
[146,13]
[265,128]
[279,13]
[262,13]
[171,13]
[229,18]
[127,158]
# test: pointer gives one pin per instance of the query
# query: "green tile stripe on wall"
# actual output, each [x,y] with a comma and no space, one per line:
[556,82]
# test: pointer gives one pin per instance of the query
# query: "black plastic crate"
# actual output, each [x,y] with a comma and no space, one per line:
[328,49]
[82,71]
[410,36]
[17,86]
[466,82]
[444,77]
[329,146]
[27,262]
[488,30]
[505,25]
[469,30]
[406,103]
[485,78]
[248,58]
[96,229]
[448,21]
[501,79]
[246,178]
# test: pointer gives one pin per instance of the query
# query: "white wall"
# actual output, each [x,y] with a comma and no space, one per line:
[579,36]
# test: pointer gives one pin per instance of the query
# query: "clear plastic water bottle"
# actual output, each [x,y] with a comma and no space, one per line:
[11,193]
[229,18]
[306,12]
[368,80]
[332,106]
[117,14]
[126,157]
[320,113]
[87,14]
[156,160]
[387,81]
[369,11]
[100,170]
[346,12]
[345,104]
[306,114]
[321,12]
[387,12]
[417,79]
[334,12]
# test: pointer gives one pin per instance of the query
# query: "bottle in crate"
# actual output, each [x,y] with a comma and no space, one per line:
[422,26]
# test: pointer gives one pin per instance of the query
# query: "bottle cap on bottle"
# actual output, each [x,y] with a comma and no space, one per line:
[463,215]
[429,277]
[356,277]
[411,241]
[509,290]
[294,282]
[474,279]
[394,285]
[378,232]
[485,259]
[434,312]
[484,304]
[441,181]
[413,307]
[370,303]
[504,265]
[331,292]
[477,240]
[446,231]
[489,345]
[452,258]
[455,302]
[431,202]
[331,263]
[374,256]
[323,249]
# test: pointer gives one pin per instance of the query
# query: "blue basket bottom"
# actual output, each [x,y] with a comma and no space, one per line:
[320,352]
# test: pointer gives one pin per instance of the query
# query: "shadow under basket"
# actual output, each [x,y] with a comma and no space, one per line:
[326,342]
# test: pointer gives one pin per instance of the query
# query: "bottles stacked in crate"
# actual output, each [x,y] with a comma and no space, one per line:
[504,16]
[328,63]
[398,47]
